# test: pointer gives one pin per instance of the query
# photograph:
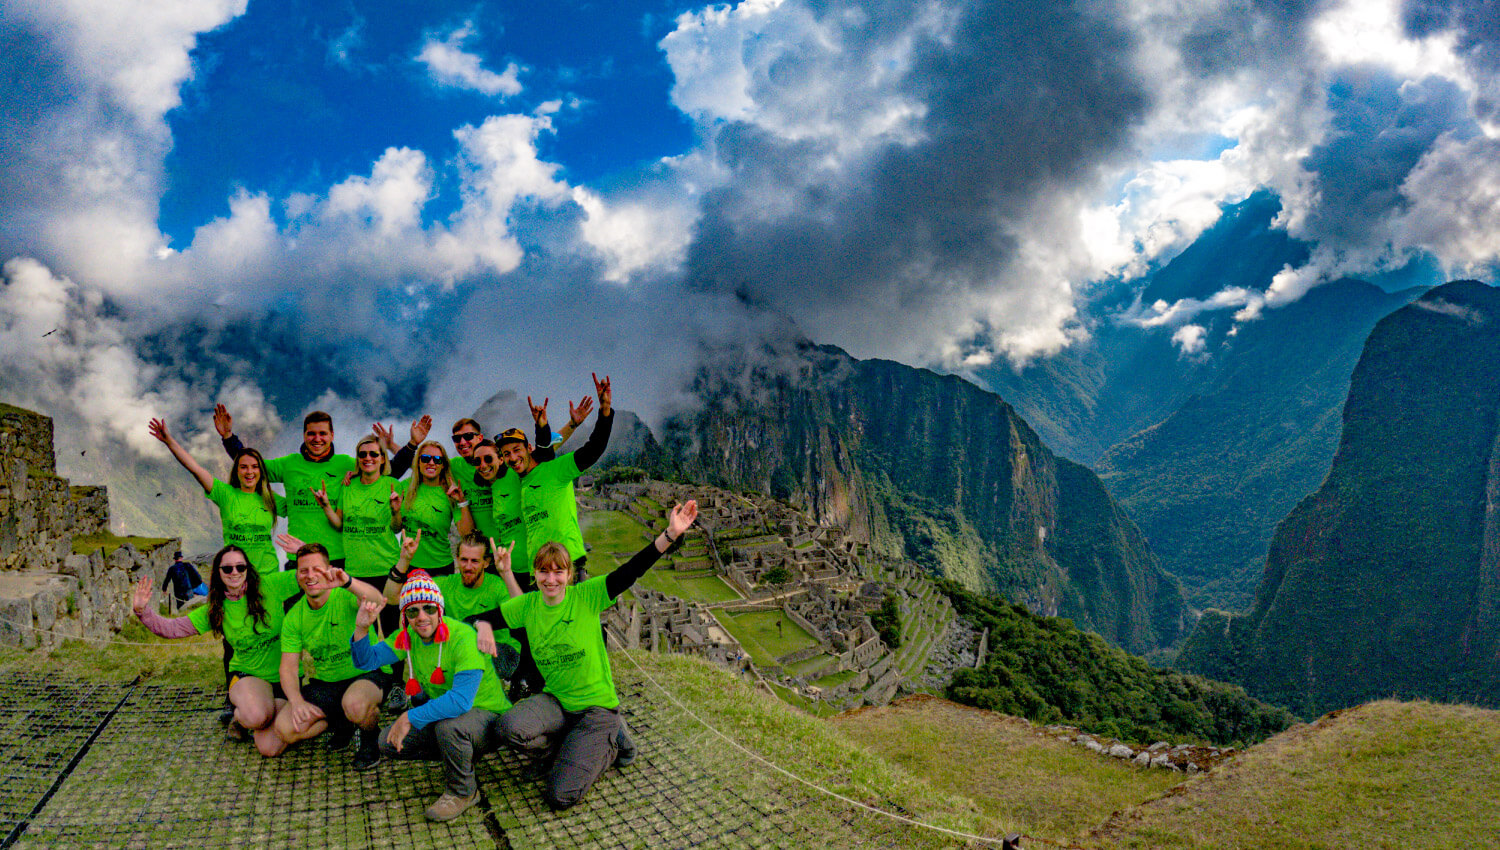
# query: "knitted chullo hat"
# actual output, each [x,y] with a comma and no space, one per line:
[419,589]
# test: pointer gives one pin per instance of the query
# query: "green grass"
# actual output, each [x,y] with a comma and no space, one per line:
[757,633]
[609,532]
[801,667]
[694,587]
[85,544]
[815,707]
[193,661]
[1043,787]
[833,680]
[1385,774]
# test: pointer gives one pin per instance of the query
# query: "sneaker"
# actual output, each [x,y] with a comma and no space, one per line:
[624,746]
[235,732]
[226,713]
[397,701]
[369,750]
[450,806]
[340,737]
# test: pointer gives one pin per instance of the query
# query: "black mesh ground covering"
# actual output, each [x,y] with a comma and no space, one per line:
[158,772]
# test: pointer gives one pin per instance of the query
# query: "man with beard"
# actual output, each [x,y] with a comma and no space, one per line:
[460,719]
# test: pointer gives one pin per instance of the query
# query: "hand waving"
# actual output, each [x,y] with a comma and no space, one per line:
[223,422]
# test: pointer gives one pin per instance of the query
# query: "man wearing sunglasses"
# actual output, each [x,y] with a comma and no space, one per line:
[537,505]
[482,467]
[460,718]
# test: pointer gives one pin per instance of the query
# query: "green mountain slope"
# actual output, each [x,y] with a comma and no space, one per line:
[1384,581]
[1209,483]
[935,469]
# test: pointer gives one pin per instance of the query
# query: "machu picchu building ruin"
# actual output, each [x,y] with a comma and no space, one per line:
[809,635]
[63,572]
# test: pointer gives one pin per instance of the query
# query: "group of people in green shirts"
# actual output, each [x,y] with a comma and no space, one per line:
[370,548]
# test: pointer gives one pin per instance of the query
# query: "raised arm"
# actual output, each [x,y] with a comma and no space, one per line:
[502,566]
[397,576]
[629,573]
[401,458]
[170,628]
[576,414]
[335,515]
[590,452]
[224,424]
[461,505]
[159,431]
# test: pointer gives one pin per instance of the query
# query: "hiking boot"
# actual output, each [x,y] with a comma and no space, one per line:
[369,750]
[450,806]
[624,746]
[339,737]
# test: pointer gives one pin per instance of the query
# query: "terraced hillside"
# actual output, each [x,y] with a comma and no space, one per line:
[768,592]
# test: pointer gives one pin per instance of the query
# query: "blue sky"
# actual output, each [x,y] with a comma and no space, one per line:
[292,94]
[379,207]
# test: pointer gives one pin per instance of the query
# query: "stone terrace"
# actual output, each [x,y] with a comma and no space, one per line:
[835,583]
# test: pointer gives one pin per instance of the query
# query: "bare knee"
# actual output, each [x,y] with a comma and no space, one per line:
[254,715]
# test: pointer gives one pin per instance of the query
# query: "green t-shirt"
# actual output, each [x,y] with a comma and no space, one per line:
[478,494]
[460,652]
[549,507]
[431,512]
[257,647]
[324,632]
[567,645]
[505,513]
[305,518]
[462,602]
[248,525]
[370,547]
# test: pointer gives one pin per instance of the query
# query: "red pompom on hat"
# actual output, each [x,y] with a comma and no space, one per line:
[421,589]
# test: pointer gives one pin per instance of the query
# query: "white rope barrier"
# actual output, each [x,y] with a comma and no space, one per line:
[809,783]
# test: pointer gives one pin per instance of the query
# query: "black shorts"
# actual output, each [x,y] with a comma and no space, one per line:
[329,696]
[276,691]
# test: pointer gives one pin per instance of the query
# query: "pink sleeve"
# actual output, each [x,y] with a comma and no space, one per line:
[156,624]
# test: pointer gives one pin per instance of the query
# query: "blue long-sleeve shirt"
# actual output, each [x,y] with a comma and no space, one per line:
[458,699]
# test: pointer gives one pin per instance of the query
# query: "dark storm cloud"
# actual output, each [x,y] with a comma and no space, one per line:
[1246,34]
[1020,99]
[1475,25]
[1381,128]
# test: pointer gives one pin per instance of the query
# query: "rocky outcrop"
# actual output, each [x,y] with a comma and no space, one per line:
[933,469]
[63,574]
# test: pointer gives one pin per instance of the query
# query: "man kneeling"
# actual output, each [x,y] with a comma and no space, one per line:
[461,717]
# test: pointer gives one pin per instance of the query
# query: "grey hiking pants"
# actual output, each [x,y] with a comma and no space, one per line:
[456,741]
[585,742]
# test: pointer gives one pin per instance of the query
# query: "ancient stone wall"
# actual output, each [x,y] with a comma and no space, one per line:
[62,574]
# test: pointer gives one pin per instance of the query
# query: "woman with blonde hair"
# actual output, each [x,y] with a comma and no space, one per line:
[577,713]
[367,512]
[433,501]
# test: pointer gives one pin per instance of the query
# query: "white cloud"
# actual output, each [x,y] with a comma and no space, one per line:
[448,64]
[1190,339]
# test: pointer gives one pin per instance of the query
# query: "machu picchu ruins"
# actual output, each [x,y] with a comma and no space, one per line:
[829,586]
[63,572]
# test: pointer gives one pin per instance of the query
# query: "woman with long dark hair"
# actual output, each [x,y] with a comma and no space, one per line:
[245,609]
[247,507]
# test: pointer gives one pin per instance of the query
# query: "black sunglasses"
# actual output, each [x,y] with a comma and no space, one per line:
[432,458]
[226,569]
[369,454]
[467,435]
[426,608]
